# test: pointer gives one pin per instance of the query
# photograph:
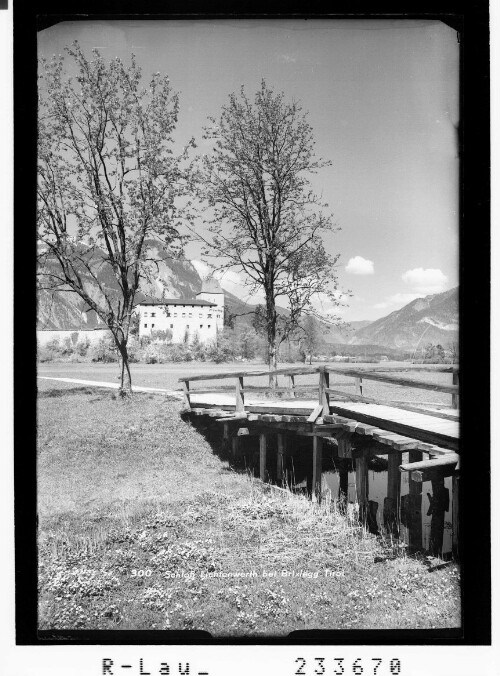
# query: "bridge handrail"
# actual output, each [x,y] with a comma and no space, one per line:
[324,389]
[306,370]
[295,371]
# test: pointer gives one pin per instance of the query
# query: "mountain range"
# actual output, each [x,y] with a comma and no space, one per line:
[433,319]
[430,319]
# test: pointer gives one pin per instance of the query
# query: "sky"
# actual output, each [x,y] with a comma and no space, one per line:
[382,99]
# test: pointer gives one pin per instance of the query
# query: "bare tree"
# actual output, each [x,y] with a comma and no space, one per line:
[312,337]
[108,183]
[265,220]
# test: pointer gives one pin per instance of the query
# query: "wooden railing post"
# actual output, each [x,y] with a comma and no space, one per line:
[240,397]
[187,400]
[358,384]
[324,384]
[292,386]
[454,397]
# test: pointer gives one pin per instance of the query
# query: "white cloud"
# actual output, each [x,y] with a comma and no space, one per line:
[399,299]
[360,266]
[430,280]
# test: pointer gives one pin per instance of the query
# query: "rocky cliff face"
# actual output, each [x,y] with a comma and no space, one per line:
[166,277]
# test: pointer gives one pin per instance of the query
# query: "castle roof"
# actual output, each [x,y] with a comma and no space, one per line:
[175,301]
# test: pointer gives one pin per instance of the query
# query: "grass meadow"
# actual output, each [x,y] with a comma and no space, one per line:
[143,526]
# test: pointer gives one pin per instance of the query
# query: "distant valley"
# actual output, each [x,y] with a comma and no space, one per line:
[433,319]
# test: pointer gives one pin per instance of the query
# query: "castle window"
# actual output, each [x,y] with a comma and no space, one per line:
[201,326]
[175,314]
[187,326]
[210,316]
[171,326]
[145,314]
[152,326]
[190,315]
[153,314]
[168,314]
[183,314]
[145,326]
[208,326]
[201,315]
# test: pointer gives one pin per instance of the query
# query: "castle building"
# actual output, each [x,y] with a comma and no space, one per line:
[185,317]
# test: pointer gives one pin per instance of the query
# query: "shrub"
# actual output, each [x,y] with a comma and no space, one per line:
[67,347]
[135,354]
[82,347]
[104,351]
[180,352]
[45,355]
[54,346]
[50,351]
[164,336]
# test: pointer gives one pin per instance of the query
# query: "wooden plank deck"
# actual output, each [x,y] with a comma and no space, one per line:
[442,432]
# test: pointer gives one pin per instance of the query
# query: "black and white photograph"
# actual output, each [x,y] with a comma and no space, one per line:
[248,326]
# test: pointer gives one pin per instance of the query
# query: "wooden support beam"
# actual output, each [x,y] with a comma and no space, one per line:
[187,400]
[315,414]
[362,486]
[225,436]
[292,386]
[415,507]
[396,441]
[439,504]
[281,457]
[343,488]
[455,493]
[442,461]
[235,442]
[423,475]
[232,418]
[344,445]
[392,501]
[262,456]
[240,397]
[317,465]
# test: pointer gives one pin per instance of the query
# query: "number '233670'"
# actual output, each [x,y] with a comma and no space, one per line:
[337,666]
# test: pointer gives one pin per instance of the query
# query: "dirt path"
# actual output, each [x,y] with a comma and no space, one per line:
[115,386]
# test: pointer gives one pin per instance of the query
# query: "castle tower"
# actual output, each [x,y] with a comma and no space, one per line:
[212,292]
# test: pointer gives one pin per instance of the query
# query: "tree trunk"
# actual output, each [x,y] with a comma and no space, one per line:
[271,339]
[126,379]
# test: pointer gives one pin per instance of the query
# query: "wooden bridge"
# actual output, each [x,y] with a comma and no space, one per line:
[358,426]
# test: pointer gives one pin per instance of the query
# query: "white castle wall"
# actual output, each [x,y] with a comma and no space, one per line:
[201,319]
